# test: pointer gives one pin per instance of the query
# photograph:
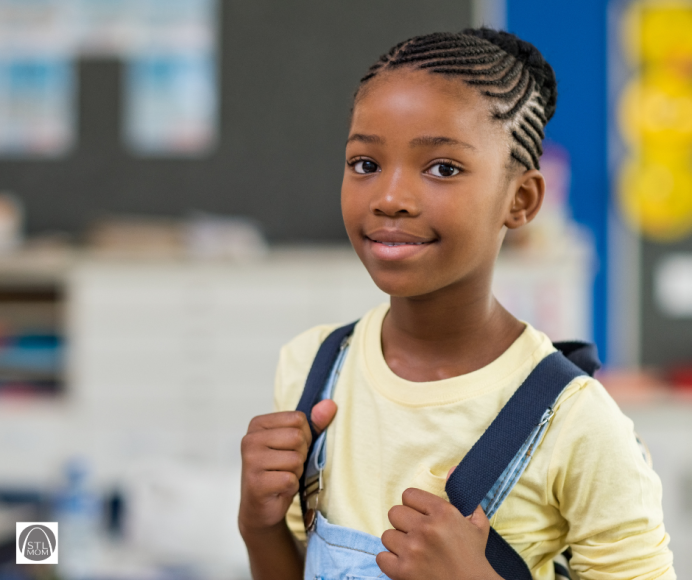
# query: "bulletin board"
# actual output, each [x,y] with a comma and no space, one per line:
[254,122]
[169,92]
[653,168]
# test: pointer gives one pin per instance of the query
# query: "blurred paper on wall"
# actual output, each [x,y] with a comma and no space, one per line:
[36,105]
[39,26]
[104,27]
[171,103]
[673,284]
[169,49]
[189,25]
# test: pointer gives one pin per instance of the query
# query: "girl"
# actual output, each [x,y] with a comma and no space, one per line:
[442,159]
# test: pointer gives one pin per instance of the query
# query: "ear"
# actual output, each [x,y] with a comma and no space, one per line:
[529,190]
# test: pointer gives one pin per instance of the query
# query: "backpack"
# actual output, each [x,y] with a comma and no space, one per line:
[529,409]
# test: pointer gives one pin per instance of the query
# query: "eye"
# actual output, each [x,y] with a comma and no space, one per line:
[364,166]
[444,170]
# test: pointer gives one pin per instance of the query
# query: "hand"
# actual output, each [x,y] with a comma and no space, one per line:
[431,539]
[273,453]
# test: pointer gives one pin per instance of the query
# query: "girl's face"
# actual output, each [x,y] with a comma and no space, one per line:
[426,193]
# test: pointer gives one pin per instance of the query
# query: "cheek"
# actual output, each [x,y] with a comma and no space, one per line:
[351,210]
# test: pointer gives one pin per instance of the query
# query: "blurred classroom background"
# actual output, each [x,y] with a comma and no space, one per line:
[169,217]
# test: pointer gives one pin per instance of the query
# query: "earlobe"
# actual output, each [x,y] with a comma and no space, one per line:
[529,190]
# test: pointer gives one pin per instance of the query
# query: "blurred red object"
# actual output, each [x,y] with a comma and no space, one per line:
[681,377]
[629,386]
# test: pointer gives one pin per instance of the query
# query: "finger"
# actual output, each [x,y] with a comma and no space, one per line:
[274,460]
[282,483]
[388,563]
[284,439]
[421,501]
[449,473]
[394,541]
[480,520]
[404,518]
[323,414]
[295,419]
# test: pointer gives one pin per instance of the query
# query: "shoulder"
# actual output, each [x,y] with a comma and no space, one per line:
[593,438]
[586,409]
[295,360]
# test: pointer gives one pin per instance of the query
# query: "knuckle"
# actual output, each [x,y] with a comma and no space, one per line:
[296,418]
[416,546]
[255,422]
[428,530]
[295,460]
[287,479]
[294,437]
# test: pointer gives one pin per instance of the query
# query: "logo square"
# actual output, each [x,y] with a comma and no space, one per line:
[37,542]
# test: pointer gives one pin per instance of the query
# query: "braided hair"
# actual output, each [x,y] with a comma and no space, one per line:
[508,71]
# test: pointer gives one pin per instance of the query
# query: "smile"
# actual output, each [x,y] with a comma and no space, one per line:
[390,244]
[395,246]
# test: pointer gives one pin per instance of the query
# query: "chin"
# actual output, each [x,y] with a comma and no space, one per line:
[399,285]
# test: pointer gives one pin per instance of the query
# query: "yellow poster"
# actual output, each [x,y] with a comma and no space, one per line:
[655,185]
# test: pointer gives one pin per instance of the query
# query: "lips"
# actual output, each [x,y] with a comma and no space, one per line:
[394,237]
[389,244]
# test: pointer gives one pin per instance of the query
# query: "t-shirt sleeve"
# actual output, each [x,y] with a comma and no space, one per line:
[608,493]
[295,360]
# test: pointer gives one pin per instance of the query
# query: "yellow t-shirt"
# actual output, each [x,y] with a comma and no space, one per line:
[587,486]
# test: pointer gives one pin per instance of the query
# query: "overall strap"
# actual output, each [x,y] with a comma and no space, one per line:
[317,377]
[485,462]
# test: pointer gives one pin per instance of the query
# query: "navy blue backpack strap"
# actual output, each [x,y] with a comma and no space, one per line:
[317,377]
[485,462]
[492,453]
[582,354]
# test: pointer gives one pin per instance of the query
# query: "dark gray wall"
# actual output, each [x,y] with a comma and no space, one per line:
[665,341]
[289,69]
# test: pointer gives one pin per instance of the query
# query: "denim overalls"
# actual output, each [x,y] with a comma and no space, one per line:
[336,552]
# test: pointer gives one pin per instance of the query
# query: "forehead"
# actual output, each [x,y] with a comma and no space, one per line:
[410,101]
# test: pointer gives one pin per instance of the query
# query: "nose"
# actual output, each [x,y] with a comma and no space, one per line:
[396,196]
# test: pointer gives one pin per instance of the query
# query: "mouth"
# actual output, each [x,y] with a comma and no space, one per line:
[396,245]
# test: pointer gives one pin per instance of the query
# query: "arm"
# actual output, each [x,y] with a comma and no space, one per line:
[608,494]
[273,453]
[287,558]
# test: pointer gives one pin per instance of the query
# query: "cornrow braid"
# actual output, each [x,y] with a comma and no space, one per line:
[510,72]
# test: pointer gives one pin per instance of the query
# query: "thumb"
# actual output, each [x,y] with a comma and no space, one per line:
[479,519]
[323,414]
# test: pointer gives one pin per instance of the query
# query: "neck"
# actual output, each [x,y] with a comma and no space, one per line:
[454,331]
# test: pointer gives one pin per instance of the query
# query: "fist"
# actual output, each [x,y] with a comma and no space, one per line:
[273,453]
[431,539]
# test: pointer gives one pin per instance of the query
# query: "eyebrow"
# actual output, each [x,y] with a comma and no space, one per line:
[376,139]
[435,141]
[426,141]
